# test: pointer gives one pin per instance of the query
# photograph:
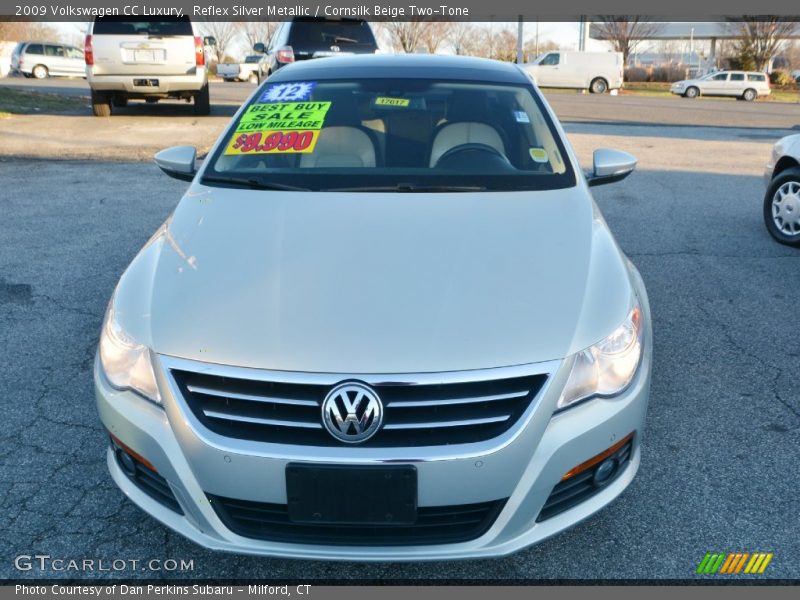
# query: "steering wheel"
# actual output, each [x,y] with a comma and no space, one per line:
[471,148]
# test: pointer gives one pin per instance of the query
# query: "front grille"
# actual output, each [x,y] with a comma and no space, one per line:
[435,525]
[415,415]
[150,482]
[581,487]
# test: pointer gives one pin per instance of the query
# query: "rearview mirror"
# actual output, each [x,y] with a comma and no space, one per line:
[209,40]
[610,166]
[260,48]
[178,162]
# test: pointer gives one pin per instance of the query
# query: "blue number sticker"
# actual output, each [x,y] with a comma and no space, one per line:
[288,92]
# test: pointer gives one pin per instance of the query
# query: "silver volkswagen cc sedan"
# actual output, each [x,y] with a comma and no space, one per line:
[386,321]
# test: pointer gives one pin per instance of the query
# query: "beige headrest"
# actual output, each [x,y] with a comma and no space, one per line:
[456,134]
[341,147]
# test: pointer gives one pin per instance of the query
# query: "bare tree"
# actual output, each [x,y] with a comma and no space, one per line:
[761,38]
[15,31]
[625,33]
[257,31]
[224,32]
[461,37]
[405,36]
[434,34]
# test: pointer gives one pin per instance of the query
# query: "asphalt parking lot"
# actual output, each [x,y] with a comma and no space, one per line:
[722,445]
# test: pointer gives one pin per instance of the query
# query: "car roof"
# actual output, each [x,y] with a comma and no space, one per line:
[412,66]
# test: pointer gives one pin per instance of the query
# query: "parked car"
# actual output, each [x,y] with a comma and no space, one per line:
[387,321]
[782,200]
[596,71]
[146,60]
[747,85]
[250,70]
[304,38]
[45,59]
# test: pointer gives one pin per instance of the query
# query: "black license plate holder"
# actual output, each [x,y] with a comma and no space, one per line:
[355,495]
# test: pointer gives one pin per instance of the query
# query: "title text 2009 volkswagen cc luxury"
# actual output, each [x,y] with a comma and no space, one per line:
[386,322]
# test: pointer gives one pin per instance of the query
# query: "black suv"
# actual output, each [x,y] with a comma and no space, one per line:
[304,38]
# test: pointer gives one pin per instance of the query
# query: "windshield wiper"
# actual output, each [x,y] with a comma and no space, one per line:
[253,184]
[410,188]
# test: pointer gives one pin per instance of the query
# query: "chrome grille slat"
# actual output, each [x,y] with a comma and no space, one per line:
[249,397]
[454,401]
[435,424]
[213,414]
[421,410]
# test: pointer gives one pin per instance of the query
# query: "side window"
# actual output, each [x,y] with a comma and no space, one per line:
[737,76]
[551,59]
[34,49]
[754,77]
[74,53]
[721,77]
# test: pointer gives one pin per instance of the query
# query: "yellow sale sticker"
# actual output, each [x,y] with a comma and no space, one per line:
[281,116]
[538,155]
[384,101]
[273,142]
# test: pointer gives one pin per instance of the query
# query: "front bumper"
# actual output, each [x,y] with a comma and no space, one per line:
[524,468]
[167,84]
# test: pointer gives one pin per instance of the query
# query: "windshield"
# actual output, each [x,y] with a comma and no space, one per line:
[313,33]
[393,134]
[118,26]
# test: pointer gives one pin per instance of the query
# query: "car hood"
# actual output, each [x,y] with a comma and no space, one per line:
[376,283]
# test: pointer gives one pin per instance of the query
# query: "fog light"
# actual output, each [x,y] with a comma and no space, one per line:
[604,472]
[126,461]
[128,457]
[608,452]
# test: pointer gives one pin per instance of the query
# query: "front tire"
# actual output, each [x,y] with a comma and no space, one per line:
[253,78]
[782,207]
[691,92]
[749,95]
[202,102]
[101,104]
[40,72]
[598,86]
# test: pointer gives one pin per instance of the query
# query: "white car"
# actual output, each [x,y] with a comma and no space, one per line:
[747,85]
[387,321]
[782,200]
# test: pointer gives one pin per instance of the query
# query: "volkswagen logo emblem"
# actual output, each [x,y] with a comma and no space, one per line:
[335,48]
[352,412]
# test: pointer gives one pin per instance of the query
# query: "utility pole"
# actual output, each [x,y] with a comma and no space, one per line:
[520,58]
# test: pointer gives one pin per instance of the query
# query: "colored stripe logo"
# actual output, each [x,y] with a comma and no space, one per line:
[734,563]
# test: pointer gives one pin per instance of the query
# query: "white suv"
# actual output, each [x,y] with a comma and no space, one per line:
[147,60]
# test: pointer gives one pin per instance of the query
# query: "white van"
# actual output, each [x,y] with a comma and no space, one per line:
[597,72]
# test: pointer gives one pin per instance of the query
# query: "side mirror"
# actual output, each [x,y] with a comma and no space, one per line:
[260,48]
[209,40]
[610,166]
[178,162]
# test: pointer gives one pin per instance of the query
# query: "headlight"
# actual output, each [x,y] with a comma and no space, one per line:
[606,368]
[126,362]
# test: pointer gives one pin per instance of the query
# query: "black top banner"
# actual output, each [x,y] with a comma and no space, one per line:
[402,10]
